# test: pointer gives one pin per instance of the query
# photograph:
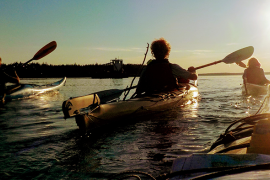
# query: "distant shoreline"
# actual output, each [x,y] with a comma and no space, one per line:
[95,71]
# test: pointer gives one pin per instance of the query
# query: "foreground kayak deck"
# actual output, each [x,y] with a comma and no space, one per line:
[254,89]
[226,166]
[243,148]
[105,114]
[29,90]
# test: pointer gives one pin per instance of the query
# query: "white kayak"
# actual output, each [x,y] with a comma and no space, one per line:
[254,89]
[30,90]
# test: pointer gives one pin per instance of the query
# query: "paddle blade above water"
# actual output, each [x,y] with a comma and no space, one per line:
[239,55]
[45,50]
[241,64]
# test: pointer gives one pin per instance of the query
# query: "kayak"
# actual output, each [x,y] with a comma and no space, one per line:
[238,140]
[99,115]
[254,89]
[243,147]
[30,90]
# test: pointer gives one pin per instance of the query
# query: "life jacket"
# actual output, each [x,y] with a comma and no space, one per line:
[158,77]
[255,75]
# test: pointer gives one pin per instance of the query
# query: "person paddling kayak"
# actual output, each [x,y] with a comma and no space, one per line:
[4,78]
[254,74]
[160,74]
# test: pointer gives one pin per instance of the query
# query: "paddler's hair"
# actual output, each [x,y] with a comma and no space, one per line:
[253,62]
[160,48]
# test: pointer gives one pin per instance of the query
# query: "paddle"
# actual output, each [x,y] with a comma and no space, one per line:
[47,49]
[235,57]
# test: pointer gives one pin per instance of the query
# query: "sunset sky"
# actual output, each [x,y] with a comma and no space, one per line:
[96,31]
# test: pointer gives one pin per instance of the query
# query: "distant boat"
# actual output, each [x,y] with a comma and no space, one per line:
[115,70]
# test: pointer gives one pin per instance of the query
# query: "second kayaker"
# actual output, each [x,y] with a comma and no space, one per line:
[5,78]
[254,74]
[161,75]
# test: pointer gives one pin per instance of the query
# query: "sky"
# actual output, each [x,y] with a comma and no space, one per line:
[97,31]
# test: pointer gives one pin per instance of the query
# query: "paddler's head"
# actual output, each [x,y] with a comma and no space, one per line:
[253,62]
[160,48]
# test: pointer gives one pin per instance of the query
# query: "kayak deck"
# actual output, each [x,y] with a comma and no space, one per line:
[237,140]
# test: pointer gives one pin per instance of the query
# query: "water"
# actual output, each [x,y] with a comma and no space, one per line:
[37,143]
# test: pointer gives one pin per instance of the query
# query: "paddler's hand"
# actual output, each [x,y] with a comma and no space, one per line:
[17,77]
[192,69]
[193,73]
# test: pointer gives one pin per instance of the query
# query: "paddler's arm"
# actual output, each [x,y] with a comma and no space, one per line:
[12,79]
[17,77]
[181,73]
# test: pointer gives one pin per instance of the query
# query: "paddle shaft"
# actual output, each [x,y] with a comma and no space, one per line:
[27,62]
[129,88]
[140,72]
[210,64]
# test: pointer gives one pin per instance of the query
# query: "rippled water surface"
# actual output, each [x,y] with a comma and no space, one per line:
[37,143]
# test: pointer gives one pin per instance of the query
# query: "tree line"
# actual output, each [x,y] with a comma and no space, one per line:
[36,70]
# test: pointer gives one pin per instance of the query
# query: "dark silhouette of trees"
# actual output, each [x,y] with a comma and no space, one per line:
[36,70]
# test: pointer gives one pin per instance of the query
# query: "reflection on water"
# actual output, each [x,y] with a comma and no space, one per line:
[37,143]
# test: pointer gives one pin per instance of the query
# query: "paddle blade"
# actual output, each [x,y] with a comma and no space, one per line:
[241,64]
[239,55]
[45,50]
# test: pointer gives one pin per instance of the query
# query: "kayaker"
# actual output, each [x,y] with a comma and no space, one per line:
[160,74]
[254,74]
[4,78]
